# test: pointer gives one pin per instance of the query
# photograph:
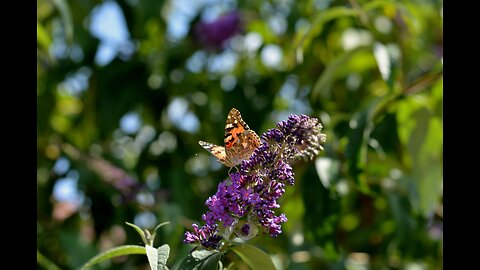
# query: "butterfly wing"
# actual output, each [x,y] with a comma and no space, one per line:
[243,148]
[234,127]
[240,141]
[217,151]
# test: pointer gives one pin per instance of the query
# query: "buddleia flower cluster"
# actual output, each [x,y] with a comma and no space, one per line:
[244,203]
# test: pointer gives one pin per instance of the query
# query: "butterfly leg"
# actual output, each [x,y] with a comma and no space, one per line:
[230,170]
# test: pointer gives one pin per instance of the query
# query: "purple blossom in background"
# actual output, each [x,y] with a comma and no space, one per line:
[245,202]
[115,176]
[214,34]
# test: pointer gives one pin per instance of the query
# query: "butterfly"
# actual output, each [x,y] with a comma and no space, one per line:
[240,141]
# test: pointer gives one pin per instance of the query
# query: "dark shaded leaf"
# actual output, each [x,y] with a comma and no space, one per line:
[256,258]
[201,260]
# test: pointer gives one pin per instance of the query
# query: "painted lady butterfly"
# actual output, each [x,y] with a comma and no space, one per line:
[240,141]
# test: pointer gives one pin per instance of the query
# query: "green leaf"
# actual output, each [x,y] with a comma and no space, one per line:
[327,170]
[399,207]
[114,252]
[161,225]
[303,40]
[43,38]
[256,258]
[380,4]
[362,124]
[357,146]
[420,130]
[202,260]
[157,258]
[429,169]
[387,57]
[155,230]
[46,263]
[202,254]
[64,10]
[261,27]
[322,87]
[144,237]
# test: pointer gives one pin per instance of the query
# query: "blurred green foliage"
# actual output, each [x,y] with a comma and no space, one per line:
[124,133]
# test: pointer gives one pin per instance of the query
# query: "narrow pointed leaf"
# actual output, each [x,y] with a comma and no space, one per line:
[114,252]
[161,225]
[156,228]
[140,231]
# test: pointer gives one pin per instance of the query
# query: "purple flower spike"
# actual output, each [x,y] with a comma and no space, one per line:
[245,202]
[214,34]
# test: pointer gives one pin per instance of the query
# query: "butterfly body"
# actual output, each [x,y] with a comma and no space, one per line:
[240,141]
